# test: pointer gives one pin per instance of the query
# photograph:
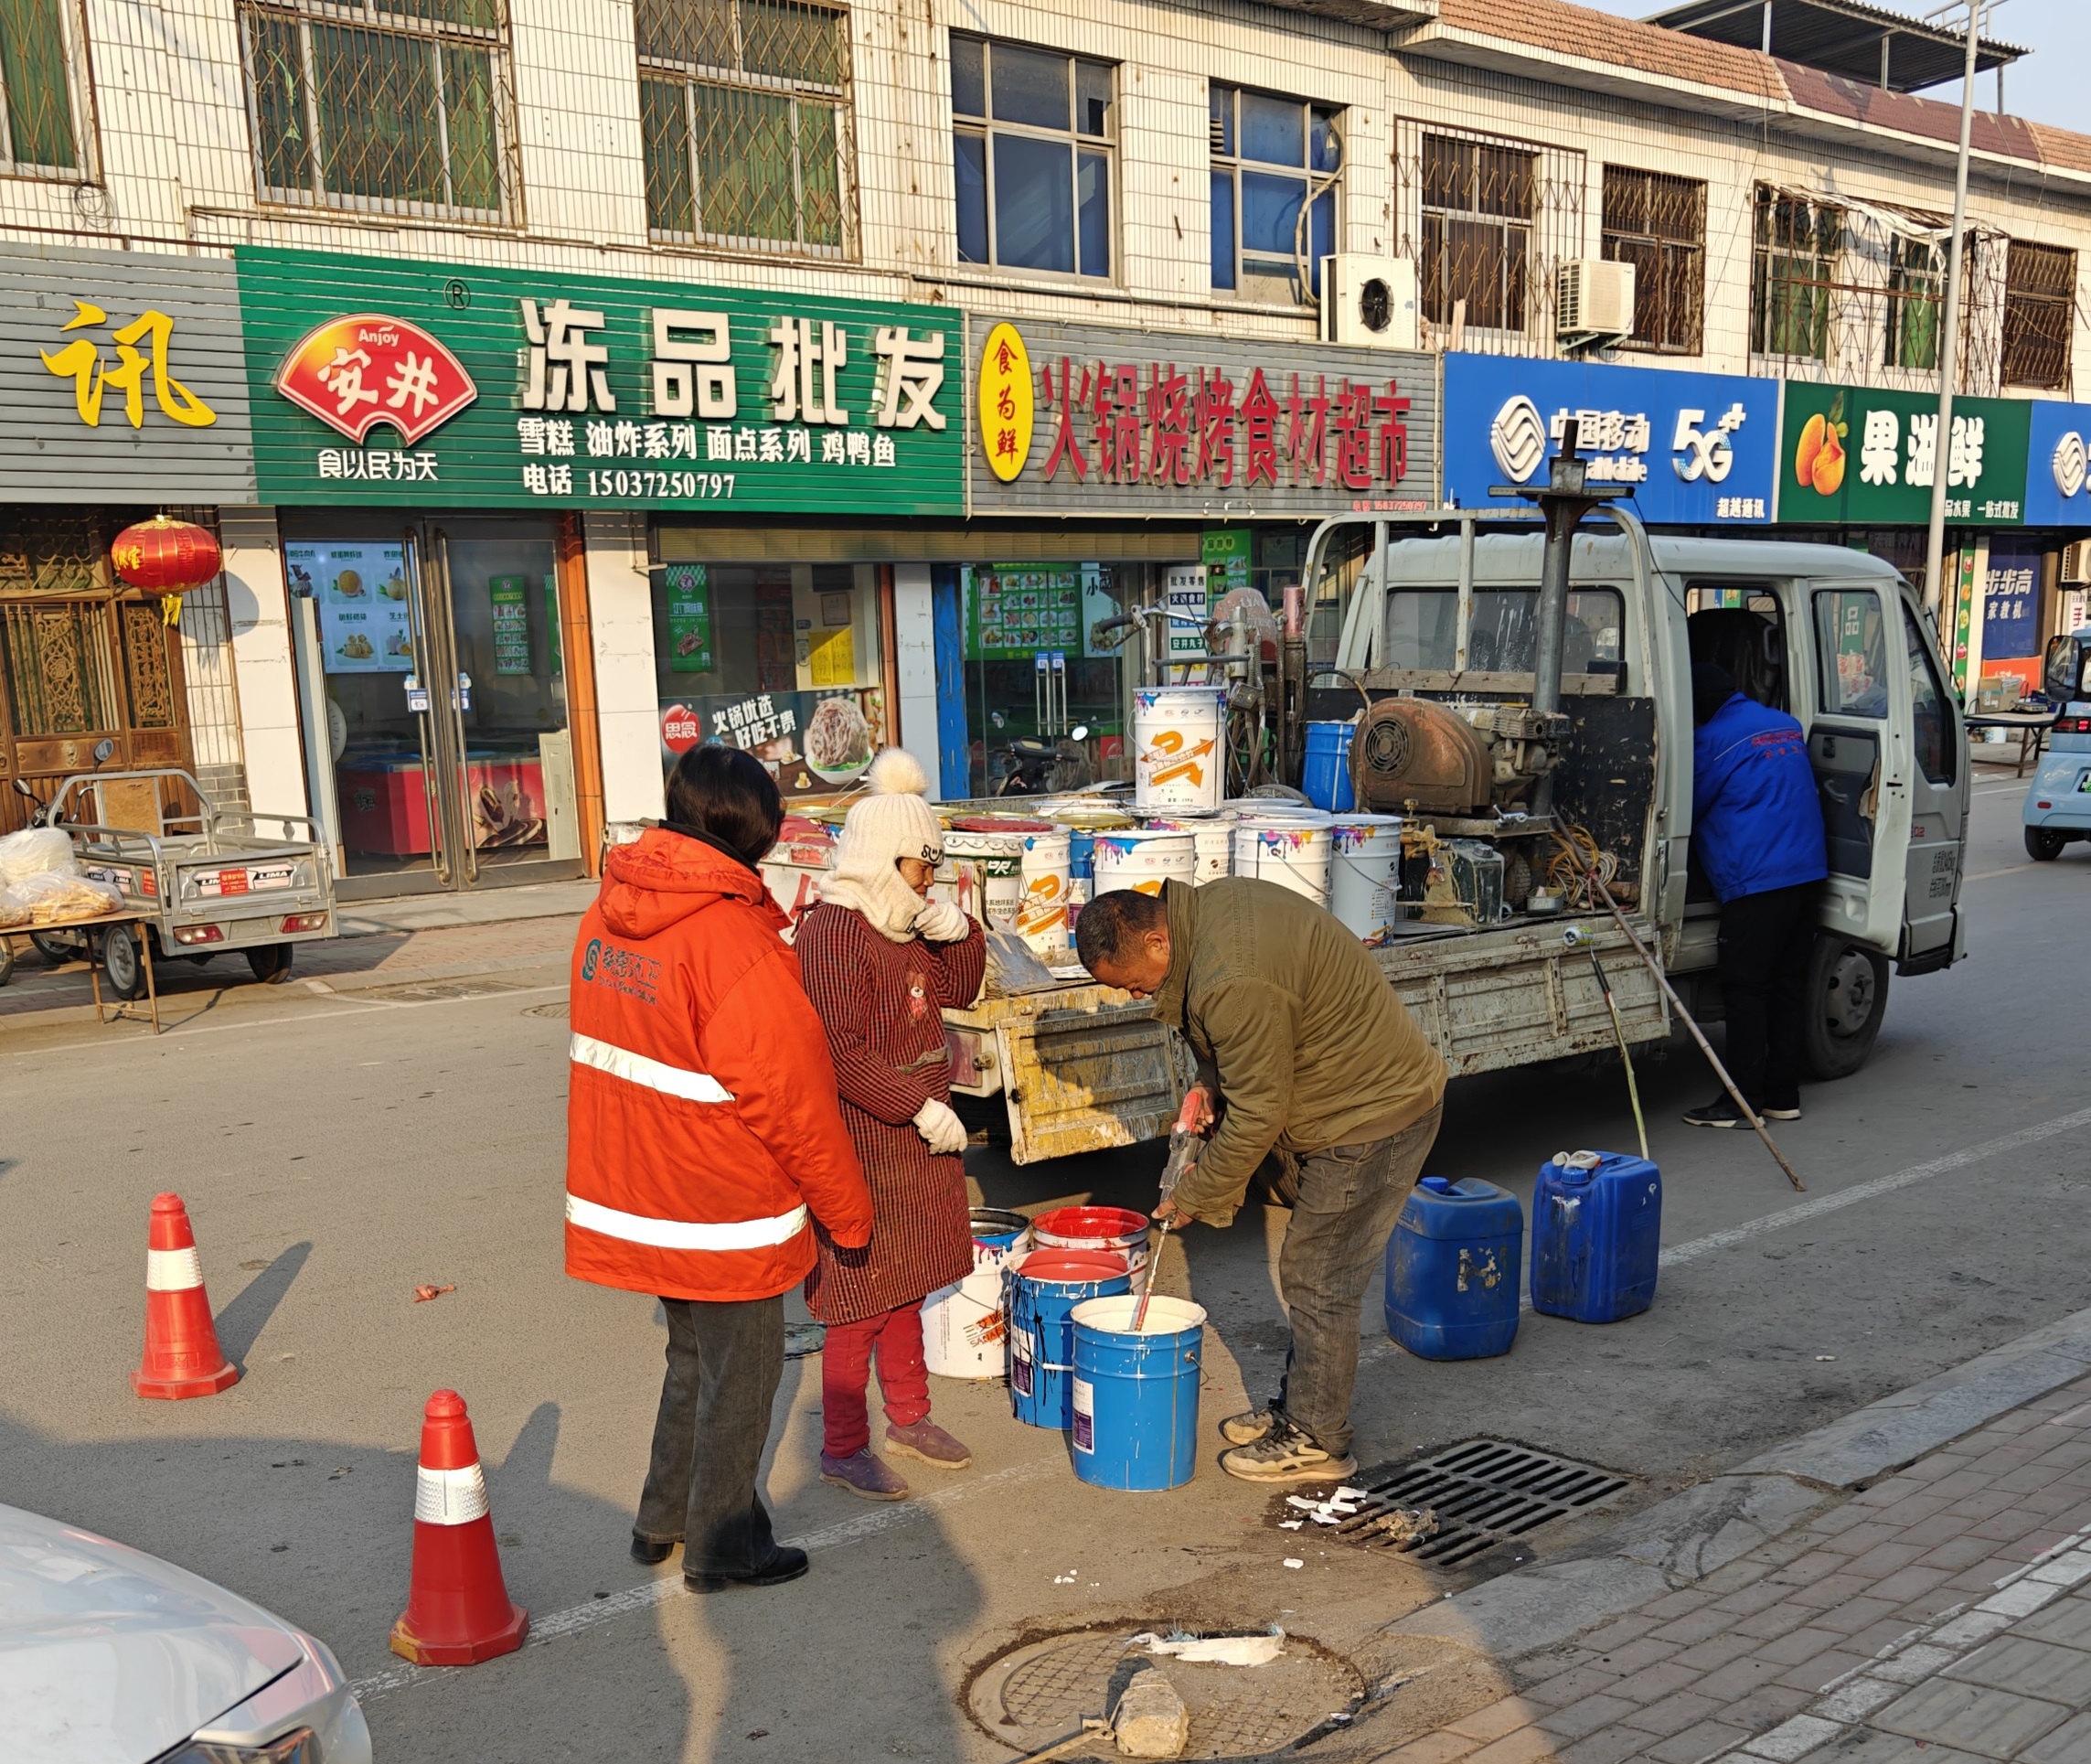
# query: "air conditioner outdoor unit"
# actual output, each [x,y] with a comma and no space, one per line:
[1368,302]
[1596,300]
[2077,563]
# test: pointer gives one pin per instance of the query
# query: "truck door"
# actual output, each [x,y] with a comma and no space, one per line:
[1865,812]
[1937,791]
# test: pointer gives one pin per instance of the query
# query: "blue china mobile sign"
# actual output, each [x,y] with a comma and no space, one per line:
[1698,450]
[2058,466]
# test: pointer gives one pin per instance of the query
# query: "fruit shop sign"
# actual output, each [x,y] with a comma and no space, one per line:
[1856,454]
[1695,449]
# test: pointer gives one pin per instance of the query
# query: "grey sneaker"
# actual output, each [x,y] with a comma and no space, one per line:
[924,1440]
[1246,1429]
[863,1474]
[1286,1455]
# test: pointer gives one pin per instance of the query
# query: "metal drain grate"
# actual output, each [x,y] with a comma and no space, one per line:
[1484,1491]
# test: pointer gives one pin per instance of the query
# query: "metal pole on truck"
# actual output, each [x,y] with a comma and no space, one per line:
[1949,343]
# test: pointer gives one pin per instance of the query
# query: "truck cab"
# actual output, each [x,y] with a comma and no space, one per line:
[2058,803]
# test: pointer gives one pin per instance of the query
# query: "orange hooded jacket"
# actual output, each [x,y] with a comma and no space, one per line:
[702,1124]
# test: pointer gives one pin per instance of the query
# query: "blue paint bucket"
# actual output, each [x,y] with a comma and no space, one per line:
[997,1235]
[1080,854]
[1136,1396]
[1325,776]
[1044,1287]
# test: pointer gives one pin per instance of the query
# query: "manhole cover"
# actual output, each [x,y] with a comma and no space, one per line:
[1486,1492]
[428,991]
[557,1010]
[1040,1690]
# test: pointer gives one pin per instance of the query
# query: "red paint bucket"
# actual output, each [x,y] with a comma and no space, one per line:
[1114,1228]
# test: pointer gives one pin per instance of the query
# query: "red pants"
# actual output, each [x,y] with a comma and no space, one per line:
[846,1368]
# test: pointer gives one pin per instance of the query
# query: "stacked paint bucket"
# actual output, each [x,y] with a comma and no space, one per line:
[965,1329]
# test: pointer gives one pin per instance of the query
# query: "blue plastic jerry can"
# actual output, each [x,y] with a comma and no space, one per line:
[1597,1234]
[1453,1268]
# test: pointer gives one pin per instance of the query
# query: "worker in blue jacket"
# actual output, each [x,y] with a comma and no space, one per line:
[1756,829]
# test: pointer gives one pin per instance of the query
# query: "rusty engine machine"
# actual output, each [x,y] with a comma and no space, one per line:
[1420,755]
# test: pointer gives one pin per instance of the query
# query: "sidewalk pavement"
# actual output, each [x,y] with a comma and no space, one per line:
[1940,1615]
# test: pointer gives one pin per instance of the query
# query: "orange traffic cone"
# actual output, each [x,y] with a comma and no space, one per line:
[457,1606]
[182,1355]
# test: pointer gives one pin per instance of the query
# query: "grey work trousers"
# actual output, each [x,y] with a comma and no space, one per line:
[724,1362]
[1349,1197]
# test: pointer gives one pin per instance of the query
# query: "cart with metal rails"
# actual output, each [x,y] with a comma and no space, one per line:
[195,884]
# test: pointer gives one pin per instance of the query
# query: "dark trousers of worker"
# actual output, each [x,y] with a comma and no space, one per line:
[1766,942]
[895,1339]
[724,1362]
[1349,1197]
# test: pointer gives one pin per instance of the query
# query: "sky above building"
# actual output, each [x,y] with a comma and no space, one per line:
[2046,86]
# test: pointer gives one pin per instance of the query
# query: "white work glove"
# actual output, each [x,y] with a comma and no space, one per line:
[938,1125]
[941,922]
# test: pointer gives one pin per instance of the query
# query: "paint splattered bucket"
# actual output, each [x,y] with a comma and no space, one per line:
[1289,850]
[1134,1397]
[1364,870]
[996,858]
[965,1329]
[1041,912]
[1176,757]
[1114,1229]
[1042,1288]
[998,1234]
[1212,840]
[1142,861]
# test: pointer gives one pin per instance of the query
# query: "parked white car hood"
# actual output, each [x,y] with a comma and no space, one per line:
[111,1656]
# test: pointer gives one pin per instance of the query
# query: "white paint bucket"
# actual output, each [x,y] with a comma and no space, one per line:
[1288,849]
[1211,837]
[997,860]
[1041,910]
[1177,762]
[964,1333]
[1142,861]
[1364,871]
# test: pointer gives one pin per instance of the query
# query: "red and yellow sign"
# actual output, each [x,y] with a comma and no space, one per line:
[1004,394]
[354,373]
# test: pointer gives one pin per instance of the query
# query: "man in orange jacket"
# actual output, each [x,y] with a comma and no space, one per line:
[702,1131]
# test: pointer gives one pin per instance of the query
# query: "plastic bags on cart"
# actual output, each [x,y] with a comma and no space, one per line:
[36,852]
[52,896]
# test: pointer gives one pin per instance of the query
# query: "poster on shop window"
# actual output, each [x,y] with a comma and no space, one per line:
[812,742]
[360,592]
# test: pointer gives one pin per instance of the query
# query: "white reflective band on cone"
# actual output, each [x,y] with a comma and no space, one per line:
[638,1069]
[449,1497]
[173,1270]
[679,1234]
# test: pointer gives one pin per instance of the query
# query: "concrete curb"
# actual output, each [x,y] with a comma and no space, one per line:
[1688,1536]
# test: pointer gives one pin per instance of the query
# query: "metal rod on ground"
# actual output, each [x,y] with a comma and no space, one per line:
[1627,1059]
[1713,1059]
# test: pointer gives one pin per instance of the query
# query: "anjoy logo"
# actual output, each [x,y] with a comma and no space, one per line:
[2069,463]
[1517,439]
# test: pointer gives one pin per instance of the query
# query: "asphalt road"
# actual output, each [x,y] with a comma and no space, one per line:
[337,1149]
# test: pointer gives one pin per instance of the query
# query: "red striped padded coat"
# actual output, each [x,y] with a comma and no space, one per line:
[702,1124]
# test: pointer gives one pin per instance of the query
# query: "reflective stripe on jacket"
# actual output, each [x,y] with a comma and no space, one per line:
[703,1131]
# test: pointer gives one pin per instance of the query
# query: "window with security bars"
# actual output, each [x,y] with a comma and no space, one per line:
[1657,223]
[1480,205]
[1793,268]
[1916,285]
[2040,304]
[744,106]
[395,106]
[1032,145]
[1273,161]
[41,103]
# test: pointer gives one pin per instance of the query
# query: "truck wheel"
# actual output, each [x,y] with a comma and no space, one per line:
[271,963]
[2044,844]
[121,965]
[57,947]
[1847,998]
[6,958]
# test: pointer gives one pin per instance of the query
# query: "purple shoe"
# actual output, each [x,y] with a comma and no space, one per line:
[930,1443]
[863,1474]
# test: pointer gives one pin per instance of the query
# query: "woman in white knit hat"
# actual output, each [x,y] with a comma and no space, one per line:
[881,960]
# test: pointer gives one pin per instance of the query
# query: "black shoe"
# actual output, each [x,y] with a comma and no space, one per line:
[1720,1112]
[787,1564]
[651,1552]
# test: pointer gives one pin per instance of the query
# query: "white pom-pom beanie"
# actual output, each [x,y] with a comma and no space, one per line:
[893,820]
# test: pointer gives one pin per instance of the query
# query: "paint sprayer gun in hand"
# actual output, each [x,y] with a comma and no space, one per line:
[1185,1142]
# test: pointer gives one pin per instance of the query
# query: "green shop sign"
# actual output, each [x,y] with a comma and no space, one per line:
[1853,455]
[377,382]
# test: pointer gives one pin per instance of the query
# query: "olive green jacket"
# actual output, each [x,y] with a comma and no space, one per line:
[1289,1012]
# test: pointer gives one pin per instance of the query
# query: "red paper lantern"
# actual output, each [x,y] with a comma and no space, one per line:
[169,557]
